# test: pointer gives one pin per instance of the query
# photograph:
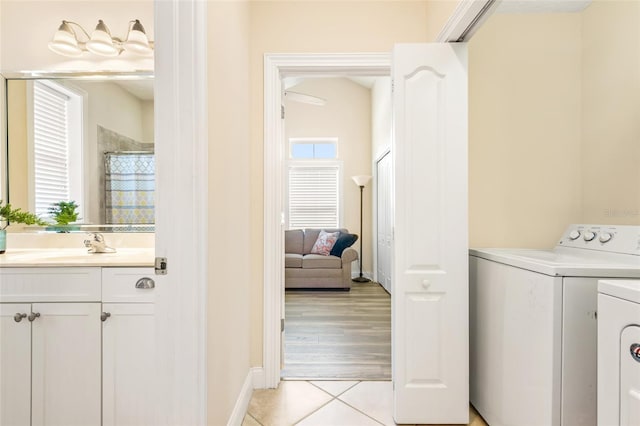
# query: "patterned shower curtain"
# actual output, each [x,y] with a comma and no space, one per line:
[129,187]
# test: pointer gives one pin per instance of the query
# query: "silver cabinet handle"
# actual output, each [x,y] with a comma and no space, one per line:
[145,283]
[104,316]
[33,315]
[18,317]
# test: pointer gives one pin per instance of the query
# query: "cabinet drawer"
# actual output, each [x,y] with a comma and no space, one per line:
[50,284]
[119,285]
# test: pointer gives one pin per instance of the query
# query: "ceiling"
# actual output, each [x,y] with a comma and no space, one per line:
[141,89]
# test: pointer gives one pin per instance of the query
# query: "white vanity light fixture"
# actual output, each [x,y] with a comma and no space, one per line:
[101,42]
[65,41]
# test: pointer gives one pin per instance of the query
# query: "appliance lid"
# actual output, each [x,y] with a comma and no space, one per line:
[622,289]
[565,262]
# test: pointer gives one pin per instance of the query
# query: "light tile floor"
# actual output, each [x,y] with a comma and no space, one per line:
[327,403]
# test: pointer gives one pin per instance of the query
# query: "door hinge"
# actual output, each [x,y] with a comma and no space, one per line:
[282,112]
[161,266]
[281,325]
[393,85]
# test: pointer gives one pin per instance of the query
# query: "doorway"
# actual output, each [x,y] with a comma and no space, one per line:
[278,67]
[331,132]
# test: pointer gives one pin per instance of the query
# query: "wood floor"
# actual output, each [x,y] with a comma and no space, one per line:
[338,334]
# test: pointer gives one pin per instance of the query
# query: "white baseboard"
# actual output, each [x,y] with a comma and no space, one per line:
[259,381]
[242,403]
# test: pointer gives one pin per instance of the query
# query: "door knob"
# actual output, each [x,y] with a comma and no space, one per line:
[33,315]
[18,317]
[105,315]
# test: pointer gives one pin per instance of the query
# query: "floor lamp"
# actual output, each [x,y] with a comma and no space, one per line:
[361,181]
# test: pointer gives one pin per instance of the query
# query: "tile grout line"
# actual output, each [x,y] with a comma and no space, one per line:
[362,412]
[256,420]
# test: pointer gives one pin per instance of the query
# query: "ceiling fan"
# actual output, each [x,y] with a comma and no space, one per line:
[304,98]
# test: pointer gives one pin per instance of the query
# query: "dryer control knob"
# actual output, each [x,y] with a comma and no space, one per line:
[574,235]
[589,236]
[605,237]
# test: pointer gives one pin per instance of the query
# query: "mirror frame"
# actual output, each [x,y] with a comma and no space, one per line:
[5,77]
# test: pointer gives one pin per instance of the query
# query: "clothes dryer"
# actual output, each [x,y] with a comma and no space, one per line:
[619,352]
[533,325]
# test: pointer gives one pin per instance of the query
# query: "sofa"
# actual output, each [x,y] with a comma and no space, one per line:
[304,269]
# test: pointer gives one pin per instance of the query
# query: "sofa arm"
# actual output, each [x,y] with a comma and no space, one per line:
[349,255]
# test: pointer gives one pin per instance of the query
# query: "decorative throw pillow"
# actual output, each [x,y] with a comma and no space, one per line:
[325,243]
[344,240]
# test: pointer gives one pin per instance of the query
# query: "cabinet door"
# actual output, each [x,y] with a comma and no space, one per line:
[15,365]
[66,364]
[128,376]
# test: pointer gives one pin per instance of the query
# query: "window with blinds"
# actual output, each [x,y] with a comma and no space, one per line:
[57,128]
[314,196]
[313,179]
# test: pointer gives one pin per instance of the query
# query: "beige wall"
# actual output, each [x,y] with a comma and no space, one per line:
[228,339]
[381,115]
[346,116]
[17,137]
[524,130]
[317,26]
[611,107]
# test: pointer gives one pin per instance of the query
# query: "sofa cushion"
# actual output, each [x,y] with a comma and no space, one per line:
[344,240]
[318,261]
[311,235]
[324,243]
[293,241]
[292,260]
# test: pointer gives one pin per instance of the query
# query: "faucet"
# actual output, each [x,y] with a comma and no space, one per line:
[96,244]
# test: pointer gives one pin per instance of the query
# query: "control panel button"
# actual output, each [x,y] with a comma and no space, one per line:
[605,237]
[589,236]
[574,235]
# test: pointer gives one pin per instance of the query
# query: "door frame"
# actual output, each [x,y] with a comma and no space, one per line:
[276,67]
[181,131]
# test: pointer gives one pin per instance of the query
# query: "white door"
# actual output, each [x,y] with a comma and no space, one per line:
[66,364]
[430,265]
[15,364]
[128,364]
[384,219]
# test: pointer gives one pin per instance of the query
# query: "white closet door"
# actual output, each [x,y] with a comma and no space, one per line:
[430,307]
[385,222]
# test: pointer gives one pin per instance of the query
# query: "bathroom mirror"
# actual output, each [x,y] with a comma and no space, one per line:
[88,139]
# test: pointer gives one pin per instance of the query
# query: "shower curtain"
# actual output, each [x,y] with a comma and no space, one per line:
[129,187]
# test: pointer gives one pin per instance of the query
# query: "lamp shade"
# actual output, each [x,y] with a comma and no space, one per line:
[65,42]
[137,41]
[101,42]
[361,180]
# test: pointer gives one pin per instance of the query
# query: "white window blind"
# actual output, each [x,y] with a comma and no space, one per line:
[314,196]
[57,151]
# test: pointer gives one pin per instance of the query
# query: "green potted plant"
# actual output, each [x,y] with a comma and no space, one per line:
[10,215]
[64,213]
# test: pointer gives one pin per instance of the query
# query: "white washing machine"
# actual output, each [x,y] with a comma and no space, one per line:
[619,353]
[533,327]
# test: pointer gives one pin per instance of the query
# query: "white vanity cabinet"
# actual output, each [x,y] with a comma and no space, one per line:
[77,346]
[50,346]
[128,333]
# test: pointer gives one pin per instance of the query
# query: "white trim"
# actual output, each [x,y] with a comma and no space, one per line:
[467,18]
[182,162]
[276,67]
[242,403]
[257,374]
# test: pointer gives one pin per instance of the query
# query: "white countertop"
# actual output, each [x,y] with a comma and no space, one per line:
[64,257]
